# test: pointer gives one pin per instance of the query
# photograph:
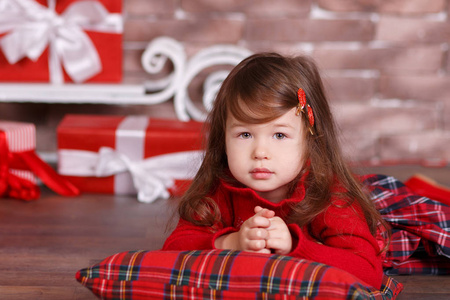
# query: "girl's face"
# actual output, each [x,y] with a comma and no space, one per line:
[266,157]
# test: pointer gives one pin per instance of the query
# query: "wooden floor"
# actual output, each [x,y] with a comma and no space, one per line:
[43,243]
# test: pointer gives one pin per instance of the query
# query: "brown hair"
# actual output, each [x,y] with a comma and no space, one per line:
[259,89]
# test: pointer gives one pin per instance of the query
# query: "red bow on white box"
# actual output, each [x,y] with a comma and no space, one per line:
[13,186]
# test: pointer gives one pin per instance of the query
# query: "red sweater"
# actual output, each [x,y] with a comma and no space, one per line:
[346,239]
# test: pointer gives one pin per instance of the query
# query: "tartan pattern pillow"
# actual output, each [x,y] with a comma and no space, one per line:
[223,274]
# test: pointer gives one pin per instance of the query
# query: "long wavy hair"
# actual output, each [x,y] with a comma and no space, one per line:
[259,89]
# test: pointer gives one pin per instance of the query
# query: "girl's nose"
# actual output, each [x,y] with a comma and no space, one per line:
[260,152]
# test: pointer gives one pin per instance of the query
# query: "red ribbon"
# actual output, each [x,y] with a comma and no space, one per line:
[13,186]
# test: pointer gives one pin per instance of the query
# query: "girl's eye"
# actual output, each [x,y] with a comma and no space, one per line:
[245,135]
[279,136]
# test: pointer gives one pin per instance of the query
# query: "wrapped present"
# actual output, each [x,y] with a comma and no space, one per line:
[19,164]
[61,40]
[152,158]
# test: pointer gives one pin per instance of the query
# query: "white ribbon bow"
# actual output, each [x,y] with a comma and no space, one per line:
[151,177]
[30,27]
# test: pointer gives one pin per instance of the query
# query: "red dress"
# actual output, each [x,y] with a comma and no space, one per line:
[346,239]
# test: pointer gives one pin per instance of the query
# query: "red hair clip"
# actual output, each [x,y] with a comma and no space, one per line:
[310,117]
[301,101]
[301,108]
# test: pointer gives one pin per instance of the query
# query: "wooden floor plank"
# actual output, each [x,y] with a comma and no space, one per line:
[44,293]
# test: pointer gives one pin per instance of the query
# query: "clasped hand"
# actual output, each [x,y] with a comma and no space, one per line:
[262,233]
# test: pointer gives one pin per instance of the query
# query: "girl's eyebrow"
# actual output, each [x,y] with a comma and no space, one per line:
[277,125]
[284,125]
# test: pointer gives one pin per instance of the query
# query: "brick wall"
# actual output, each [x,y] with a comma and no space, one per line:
[385,64]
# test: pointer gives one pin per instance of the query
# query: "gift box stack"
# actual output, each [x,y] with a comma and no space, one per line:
[61,41]
[152,158]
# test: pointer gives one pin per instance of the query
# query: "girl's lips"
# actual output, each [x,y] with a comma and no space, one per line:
[261,173]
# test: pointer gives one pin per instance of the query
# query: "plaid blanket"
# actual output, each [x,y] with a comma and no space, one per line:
[420,228]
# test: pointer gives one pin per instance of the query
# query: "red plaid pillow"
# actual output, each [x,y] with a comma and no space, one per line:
[223,274]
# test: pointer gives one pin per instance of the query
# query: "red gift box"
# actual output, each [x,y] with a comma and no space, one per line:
[129,155]
[74,41]
[19,164]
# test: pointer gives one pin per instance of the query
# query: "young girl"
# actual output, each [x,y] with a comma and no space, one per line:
[273,179]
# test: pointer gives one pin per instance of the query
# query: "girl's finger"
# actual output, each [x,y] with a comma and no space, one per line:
[259,221]
[264,212]
[265,251]
[258,234]
[279,246]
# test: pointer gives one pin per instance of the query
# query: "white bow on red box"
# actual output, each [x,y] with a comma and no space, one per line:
[31,27]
